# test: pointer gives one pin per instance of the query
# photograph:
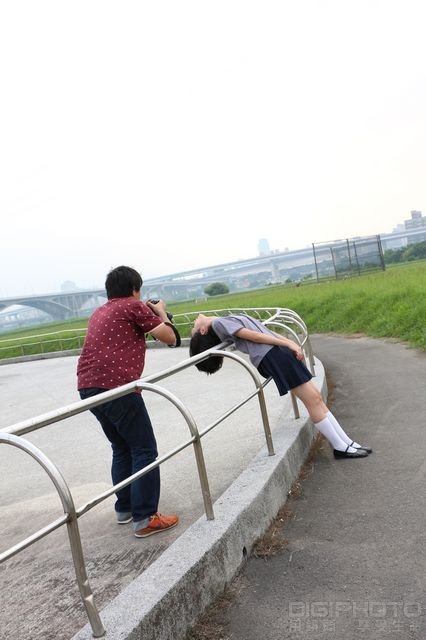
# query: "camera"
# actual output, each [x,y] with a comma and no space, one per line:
[155,301]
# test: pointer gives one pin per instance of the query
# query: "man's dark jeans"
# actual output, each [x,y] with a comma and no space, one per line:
[127,426]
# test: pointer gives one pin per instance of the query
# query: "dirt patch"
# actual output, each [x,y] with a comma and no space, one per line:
[331,387]
[211,625]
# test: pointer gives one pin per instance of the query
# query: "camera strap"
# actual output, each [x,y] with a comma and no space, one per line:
[177,335]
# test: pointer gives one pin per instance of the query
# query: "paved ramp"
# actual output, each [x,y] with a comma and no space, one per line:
[40,598]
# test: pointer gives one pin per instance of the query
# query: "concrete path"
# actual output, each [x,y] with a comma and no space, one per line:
[355,564]
[39,596]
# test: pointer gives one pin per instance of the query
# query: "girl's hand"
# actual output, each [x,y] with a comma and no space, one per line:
[298,352]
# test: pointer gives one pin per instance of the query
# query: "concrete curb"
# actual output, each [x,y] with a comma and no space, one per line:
[165,600]
[74,352]
[41,356]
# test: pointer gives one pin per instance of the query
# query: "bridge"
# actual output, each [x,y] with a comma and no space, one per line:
[176,286]
[239,276]
[61,306]
[259,271]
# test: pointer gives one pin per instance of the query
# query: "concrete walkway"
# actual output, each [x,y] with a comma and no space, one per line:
[355,564]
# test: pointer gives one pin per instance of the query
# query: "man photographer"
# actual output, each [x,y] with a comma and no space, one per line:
[113,354]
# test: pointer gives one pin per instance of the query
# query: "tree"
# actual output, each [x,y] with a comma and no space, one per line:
[216,289]
[415,251]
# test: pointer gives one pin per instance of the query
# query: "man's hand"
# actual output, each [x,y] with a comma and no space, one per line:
[154,306]
[166,332]
[158,307]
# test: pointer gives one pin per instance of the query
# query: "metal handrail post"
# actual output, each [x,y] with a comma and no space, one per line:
[295,405]
[310,355]
[198,449]
[260,394]
[72,527]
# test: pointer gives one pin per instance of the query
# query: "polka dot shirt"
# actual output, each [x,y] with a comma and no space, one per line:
[114,349]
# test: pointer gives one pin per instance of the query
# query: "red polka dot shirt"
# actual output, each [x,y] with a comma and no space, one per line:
[114,349]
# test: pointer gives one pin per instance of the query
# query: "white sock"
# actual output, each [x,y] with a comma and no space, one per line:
[338,429]
[326,427]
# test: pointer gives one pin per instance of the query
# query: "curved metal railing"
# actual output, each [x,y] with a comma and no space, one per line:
[285,319]
[60,341]
[13,435]
[63,340]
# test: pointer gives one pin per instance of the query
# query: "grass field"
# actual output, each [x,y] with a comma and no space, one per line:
[45,338]
[389,303]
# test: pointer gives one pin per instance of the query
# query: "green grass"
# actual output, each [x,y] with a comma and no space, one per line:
[389,303]
[385,304]
[63,336]
[47,327]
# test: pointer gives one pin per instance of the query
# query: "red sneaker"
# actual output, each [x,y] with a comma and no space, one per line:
[157,523]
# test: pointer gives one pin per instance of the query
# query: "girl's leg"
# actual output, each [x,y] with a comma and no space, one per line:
[322,418]
[311,398]
[344,435]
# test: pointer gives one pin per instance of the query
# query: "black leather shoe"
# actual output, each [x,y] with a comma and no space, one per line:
[367,449]
[359,453]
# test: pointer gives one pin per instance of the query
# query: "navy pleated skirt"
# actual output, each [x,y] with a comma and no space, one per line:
[281,364]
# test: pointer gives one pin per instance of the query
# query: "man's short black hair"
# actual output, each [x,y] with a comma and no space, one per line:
[200,343]
[122,281]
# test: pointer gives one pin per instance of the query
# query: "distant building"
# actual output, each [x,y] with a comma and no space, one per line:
[397,243]
[417,221]
[69,286]
[263,246]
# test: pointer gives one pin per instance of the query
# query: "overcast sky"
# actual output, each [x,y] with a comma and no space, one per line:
[172,135]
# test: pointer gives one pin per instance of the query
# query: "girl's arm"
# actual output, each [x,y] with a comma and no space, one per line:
[267,338]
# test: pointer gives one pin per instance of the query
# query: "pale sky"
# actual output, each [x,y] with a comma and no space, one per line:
[174,135]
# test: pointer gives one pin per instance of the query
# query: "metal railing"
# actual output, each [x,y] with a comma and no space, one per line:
[56,341]
[284,319]
[12,436]
[50,342]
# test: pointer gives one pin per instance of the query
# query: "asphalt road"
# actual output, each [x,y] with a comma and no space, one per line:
[354,566]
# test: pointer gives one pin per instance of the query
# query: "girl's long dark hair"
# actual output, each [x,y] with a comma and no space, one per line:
[200,343]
